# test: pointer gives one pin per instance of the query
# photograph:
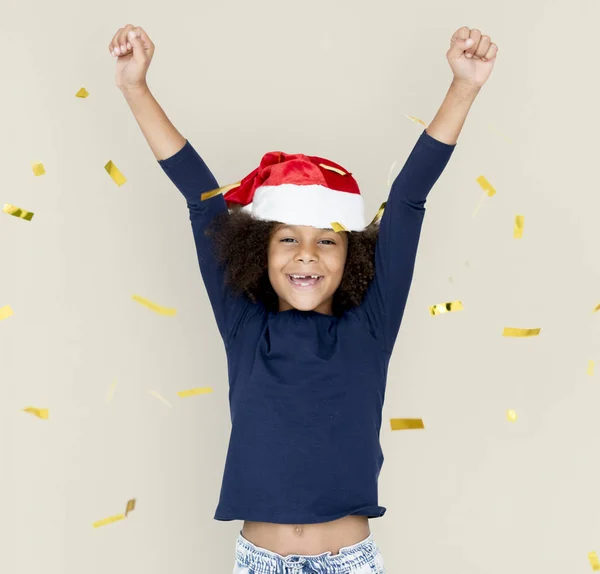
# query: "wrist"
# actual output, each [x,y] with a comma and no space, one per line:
[464,88]
[134,91]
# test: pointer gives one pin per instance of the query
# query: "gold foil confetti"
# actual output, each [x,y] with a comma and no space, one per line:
[519,223]
[511,416]
[43,414]
[83,93]
[194,392]
[109,520]
[445,308]
[155,394]
[5,312]
[416,120]
[590,369]
[214,192]
[389,179]
[337,227]
[38,168]
[596,309]
[154,307]
[331,168]
[114,172]
[17,212]
[130,506]
[486,186]
[513,332]
[379,214]
[593,558]
[406,424]
[495,130]
[111,391]
[489,191]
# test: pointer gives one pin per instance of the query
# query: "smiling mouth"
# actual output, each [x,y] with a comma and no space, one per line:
[304,281]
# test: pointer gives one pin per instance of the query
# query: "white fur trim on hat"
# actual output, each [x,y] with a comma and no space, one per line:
[313,205]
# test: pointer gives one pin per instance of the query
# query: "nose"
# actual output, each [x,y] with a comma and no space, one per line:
[306,255]
[306,259]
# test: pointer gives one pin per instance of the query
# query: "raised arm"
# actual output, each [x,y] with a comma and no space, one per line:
[471,57]
[401,223]
[399,233]
[186,169]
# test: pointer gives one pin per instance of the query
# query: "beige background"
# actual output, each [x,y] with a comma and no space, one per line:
[471,494]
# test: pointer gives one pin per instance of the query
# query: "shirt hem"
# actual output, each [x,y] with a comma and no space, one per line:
[233,514]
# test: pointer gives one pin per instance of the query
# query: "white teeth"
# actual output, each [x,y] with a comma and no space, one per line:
[305,276]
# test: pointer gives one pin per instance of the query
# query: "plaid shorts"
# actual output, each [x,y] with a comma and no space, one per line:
[361,558]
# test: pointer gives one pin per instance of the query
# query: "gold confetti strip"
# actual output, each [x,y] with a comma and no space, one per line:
[337,227]
[109,520]
[446,308]
[214,192]
[43,414]
[406,424]
[194,392]
[17,212]
[596,309]
[593,558]
[114,172]
[379,214]
[495,130]
[590,369]
[519,223]
[389,179]
[486,186]
[5,312]
[154,307]
[130,506]
[489,191]
[331,168]
[511,416]
[155,394]
[83,93]
[416,120]
[513,332]
[111,391]
[38,168]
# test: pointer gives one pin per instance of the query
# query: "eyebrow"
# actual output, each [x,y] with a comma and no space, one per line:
[293,227]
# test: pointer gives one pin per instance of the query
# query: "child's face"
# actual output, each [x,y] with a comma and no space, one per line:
[299,250]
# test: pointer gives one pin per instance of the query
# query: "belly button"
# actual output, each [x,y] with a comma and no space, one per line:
[299,530]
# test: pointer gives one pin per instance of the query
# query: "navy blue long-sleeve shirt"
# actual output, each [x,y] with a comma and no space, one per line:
[306,390]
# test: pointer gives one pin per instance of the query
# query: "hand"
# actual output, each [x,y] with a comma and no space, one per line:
[471,57]
[134,51]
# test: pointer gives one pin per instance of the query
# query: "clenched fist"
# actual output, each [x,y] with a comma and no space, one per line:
[471,56]
[134,50]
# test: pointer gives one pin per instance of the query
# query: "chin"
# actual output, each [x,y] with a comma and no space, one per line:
[302,303]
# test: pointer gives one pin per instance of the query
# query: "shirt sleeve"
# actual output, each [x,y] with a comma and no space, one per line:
[398,239]
[188,172]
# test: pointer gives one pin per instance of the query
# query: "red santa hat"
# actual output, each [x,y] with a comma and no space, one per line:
[300,190]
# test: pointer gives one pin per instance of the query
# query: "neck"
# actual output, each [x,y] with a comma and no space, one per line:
[325,308]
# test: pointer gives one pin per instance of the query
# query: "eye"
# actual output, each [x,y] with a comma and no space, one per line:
[328,241]
[286,239]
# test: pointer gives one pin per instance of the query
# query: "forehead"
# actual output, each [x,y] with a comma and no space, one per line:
[301,228]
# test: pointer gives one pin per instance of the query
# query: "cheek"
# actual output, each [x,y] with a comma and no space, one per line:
[275,261]
[336,265]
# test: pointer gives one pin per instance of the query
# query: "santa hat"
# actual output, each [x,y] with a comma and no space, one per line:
[299,190]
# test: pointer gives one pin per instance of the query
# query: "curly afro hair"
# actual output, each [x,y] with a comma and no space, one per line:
[241,244]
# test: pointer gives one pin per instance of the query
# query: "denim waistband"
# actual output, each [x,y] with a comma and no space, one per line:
[349,559]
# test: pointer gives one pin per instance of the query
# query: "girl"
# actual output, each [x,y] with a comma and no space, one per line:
[308,302]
